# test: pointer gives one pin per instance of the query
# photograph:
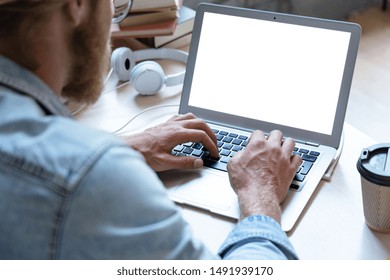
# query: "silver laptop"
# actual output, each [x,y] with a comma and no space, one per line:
[251,69]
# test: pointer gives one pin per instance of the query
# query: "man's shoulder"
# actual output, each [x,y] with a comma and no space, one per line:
[60,146]
[77,147]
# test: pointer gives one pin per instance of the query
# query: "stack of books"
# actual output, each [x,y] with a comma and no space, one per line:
[156,23]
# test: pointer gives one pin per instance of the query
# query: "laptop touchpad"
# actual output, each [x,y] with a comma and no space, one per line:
[205,189]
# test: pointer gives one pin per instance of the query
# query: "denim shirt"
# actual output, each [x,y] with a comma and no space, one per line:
[72,192]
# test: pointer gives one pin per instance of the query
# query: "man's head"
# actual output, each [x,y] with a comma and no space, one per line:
[74,32]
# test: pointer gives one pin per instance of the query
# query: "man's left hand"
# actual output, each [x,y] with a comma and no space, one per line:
[156,143]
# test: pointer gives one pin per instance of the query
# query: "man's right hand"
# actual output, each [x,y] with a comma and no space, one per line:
[261,174]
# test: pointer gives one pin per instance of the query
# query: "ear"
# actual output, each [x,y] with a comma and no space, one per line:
[77,10]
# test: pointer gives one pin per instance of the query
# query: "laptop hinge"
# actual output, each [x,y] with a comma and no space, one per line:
[312,144]
[307,143]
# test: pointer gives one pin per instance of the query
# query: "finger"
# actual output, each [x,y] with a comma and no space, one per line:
[257,135]
[288,145]
[275,136]
[296,161]
[200,136]
[191,122]
[184,117]
[202,133]
[200,125]
[182,162]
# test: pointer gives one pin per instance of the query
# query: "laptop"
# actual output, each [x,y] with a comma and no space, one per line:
[256,70]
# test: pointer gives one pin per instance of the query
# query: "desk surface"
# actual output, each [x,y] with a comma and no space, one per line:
[332,225]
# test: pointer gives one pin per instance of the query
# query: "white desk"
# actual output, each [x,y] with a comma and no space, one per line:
[332,225]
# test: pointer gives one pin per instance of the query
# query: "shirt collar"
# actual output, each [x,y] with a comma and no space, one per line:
[18,78]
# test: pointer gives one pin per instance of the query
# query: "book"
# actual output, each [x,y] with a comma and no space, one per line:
[184,26]
[153,5]
[147,30]
[141,18]
[179,42]
[132,43]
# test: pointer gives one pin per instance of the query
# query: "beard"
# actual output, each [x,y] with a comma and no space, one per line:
[89,63]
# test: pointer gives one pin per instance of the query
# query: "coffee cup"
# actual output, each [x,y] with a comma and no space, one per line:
[374,168]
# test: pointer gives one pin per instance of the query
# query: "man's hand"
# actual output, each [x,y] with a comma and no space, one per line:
[156,143]
[262,173]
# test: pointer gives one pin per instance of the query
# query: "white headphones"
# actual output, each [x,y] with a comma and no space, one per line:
[147,77]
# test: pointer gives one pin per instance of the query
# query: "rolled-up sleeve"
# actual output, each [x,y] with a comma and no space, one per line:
[257,237]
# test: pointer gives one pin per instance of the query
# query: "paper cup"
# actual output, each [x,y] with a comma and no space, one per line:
[374,168]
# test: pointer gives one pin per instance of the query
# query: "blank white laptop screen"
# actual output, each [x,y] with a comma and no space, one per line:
[261,69]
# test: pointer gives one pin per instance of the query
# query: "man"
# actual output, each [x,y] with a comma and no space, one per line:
[71,192]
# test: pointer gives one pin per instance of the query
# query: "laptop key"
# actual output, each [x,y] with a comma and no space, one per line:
[214,164]
[197,153]
[309,158]
[304,151]
[227,146]
[224,152]
[294,187]
[314,153]
[237,148]
[188,144]
[178,148]
[224,159]
[227,139]
[206,154]
[299,177]
[306,166]
[188,150]
[197,146]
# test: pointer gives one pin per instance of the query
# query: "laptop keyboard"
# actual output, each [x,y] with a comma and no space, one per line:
[231,143]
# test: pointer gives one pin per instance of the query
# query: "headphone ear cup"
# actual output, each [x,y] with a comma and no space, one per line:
[147,77]
[122,61]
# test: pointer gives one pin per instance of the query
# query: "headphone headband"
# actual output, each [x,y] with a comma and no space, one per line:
[123,61]
[163,53]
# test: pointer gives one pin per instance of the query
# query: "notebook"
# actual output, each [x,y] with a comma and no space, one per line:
[251,69]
